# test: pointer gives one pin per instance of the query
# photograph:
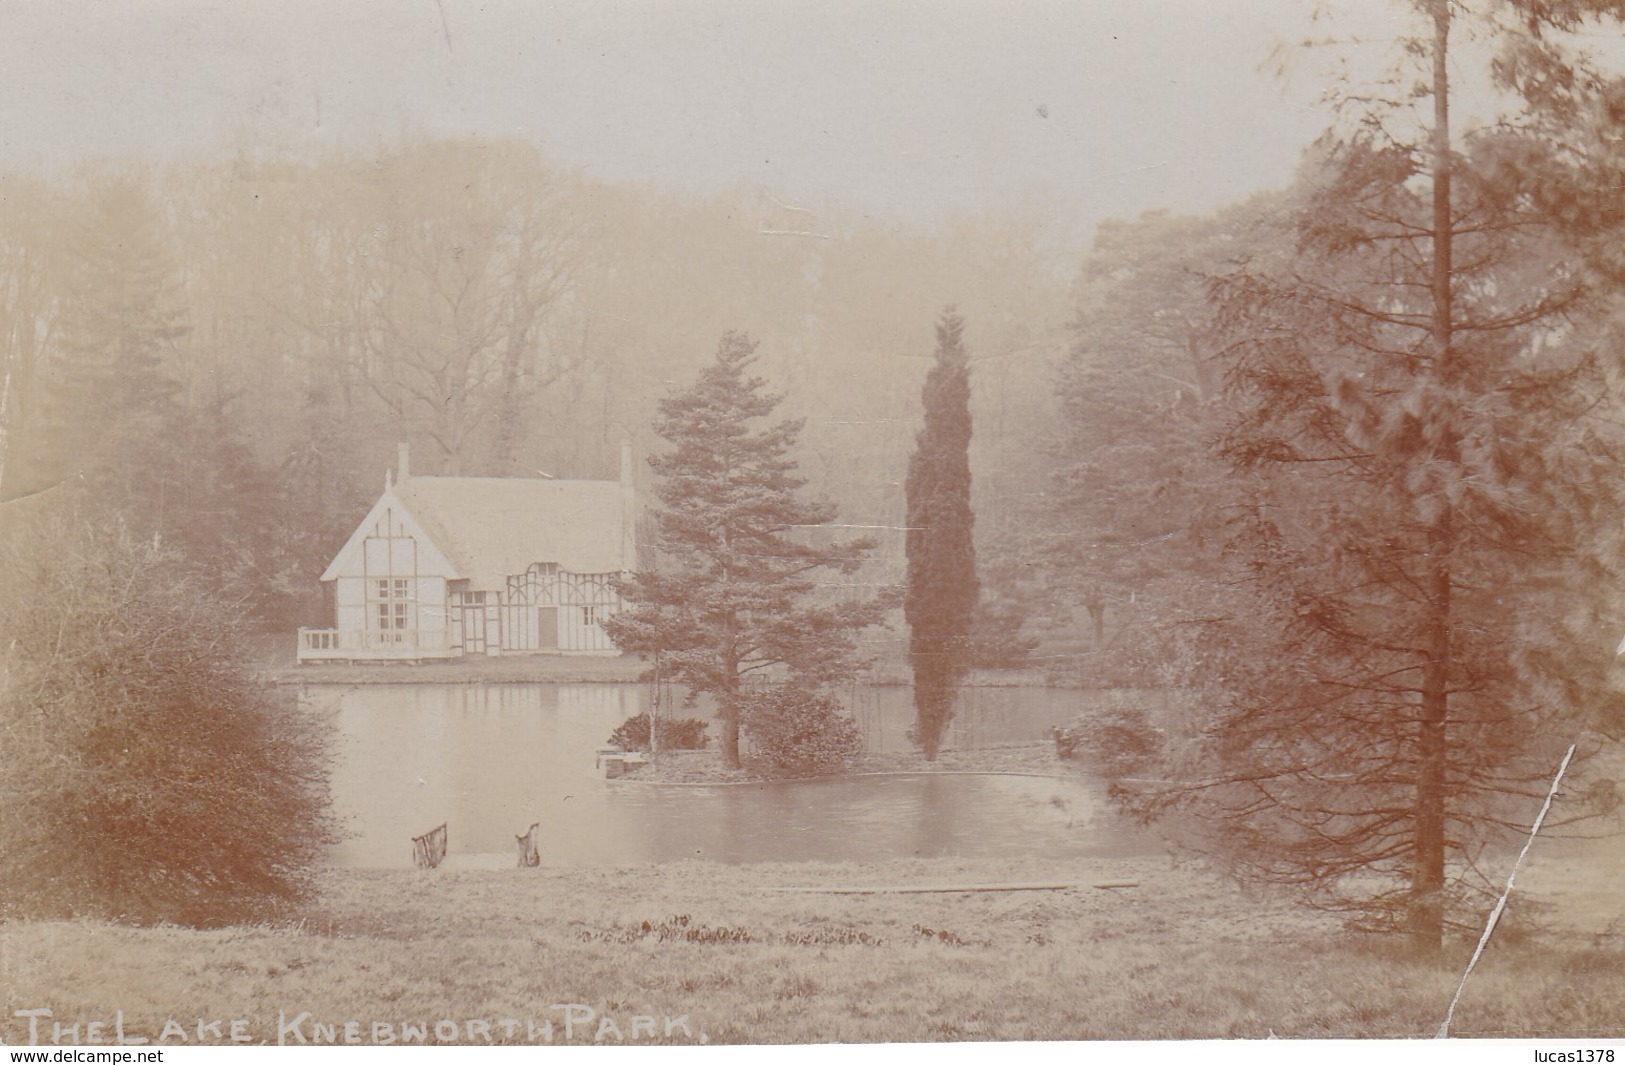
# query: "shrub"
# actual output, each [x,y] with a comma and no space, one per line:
[148,776]
[1067,741]
[799,731]
[1119,735]
[676,734]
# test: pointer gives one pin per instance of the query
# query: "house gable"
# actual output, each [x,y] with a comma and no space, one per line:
[390,519]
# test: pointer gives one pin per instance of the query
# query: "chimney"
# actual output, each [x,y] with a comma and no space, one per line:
[626,464]
[403,463]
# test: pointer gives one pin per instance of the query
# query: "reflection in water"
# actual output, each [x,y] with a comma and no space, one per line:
[982,716]
[491,759]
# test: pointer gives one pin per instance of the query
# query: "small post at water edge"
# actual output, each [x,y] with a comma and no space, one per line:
[654,712]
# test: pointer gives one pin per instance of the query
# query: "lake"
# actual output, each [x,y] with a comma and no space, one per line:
[491,759]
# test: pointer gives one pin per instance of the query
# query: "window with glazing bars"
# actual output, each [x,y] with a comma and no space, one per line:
[393,603]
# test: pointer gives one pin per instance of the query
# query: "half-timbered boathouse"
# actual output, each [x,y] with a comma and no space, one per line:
[449,566]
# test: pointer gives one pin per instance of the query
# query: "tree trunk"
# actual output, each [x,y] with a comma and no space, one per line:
[730,713]
[932,692]
[511,404]
[931,738]
[1432,746]
[5,410]
[1432,752]
[730,735]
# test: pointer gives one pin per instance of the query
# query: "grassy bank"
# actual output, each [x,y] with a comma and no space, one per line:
[1181,955]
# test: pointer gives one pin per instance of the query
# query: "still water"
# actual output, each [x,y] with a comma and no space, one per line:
[491,759]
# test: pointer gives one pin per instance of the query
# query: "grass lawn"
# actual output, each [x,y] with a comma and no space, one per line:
[701,952]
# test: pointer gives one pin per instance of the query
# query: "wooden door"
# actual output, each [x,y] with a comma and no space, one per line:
[547,628]
[473,630]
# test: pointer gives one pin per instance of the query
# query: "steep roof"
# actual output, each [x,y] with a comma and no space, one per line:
[486,529]
[493,527]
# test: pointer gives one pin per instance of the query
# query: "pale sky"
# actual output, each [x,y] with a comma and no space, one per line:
[895,108]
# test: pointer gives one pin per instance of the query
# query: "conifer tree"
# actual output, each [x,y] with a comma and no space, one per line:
[942,592]
[1425,447]
[733,594]
[108,401]
[29,265]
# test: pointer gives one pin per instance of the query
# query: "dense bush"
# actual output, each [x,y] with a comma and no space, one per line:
[148,777]
[676,734]
[1118,735]
[799,731]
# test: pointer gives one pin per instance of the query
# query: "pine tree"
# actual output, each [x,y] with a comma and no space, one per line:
[1429,507]
[733,596]
[107,398]
[943,590]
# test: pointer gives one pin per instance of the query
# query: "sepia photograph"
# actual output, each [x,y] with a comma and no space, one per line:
[703,522]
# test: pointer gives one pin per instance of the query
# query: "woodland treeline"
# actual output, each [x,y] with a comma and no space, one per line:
[228,354]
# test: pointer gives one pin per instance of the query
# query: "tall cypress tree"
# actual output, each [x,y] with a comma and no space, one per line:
[733,595]
[940,602]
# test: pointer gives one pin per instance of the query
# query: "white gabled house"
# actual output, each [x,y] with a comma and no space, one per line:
[449,566]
